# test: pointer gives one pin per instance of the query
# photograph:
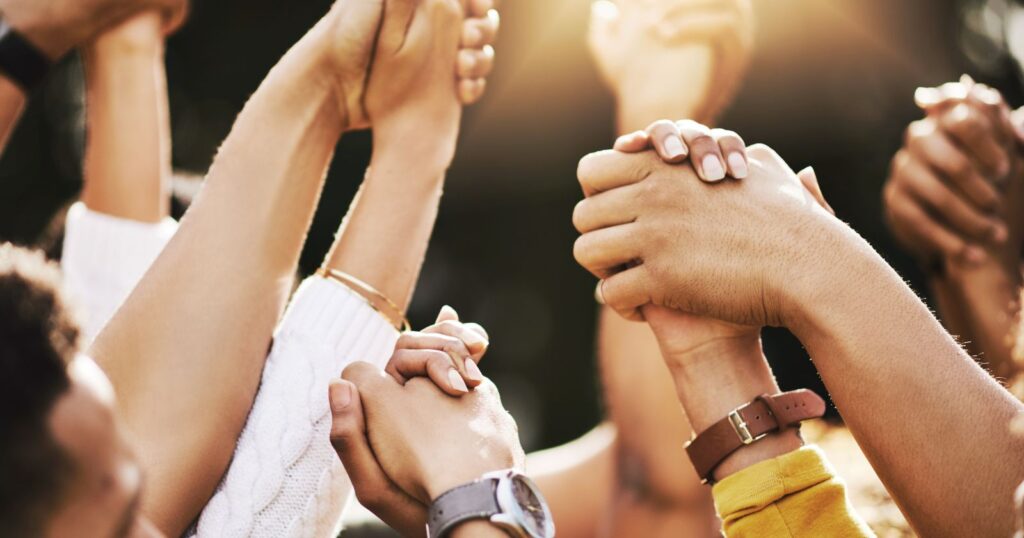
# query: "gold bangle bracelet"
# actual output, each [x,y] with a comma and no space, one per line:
[377,300]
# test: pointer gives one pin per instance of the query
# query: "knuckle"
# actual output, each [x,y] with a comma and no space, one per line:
[725,135]
[588,166]
[691,125]
[760,151]
[358,372]
[371,497]
[456,348]
[703,142]
[407,339]
[959,167]
[581,250]
[661,126]
[579,216]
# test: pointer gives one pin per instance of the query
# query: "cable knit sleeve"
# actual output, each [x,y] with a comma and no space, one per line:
[285,479]
[104,258]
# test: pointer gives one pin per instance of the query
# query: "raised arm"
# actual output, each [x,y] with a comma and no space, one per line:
[762,251]
[128,153]
[285,479]
[54,27]
[954,199]
[194,334]
[660,60]
[122,221]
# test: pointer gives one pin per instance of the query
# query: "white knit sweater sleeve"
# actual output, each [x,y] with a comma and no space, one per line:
[285,479]
[104,258]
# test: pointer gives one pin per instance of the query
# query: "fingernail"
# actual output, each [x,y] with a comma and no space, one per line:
[674,147]
[456,380]
[341,397]
[713,170]
[999,233]
[473,371]
[974,254]
[738,165]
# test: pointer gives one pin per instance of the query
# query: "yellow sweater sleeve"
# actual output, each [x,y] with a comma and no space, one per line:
[795,495]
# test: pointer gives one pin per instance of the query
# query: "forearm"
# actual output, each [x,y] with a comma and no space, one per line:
[656,492]
[915,401]
[577,480]
[383,239]
[990,303]
[284,474]
[771,487]
[127,158]
[202,317]
[641,101]
[12,104]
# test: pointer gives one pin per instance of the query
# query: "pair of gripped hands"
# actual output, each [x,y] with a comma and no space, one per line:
[431,421]
[703,237]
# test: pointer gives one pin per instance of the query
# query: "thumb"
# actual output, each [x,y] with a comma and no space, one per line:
[810,181]
[604,20]
[447,313]
[373,488]
[348,426]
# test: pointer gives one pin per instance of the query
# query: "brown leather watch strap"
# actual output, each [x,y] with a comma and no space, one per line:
[750,423]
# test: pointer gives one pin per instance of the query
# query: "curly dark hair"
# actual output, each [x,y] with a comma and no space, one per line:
[38,337]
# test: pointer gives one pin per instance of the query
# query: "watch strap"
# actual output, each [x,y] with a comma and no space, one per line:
[750,423]
[22,62]
[476,500]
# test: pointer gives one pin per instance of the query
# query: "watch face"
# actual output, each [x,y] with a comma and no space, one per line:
[535,515]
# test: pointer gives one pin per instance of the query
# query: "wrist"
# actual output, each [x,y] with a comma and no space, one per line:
[835,263]
[419,163]
[317,74]
[400,136]
[718,377]
[447,479]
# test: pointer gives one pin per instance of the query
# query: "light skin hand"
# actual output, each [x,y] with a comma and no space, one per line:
[57,26]
[670,58]
[468,436]
[412,81]
[447,352]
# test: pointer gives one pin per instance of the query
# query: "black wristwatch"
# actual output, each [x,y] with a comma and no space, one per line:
[508,499]
[20,60]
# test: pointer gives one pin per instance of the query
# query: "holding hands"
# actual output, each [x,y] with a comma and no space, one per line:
[955,183]
[651,52]
[379,420]
[430,57]
[57,26]
[656,234]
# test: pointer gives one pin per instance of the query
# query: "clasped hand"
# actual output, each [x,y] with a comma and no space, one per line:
[427,423]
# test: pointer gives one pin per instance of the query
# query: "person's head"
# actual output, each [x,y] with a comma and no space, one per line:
[65,468]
